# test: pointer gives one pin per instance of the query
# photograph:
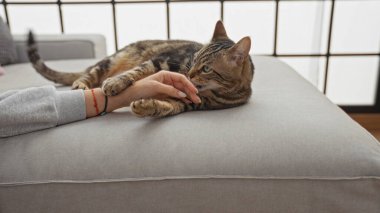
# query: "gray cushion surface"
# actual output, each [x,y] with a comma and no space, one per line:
[8,52]
[288,150]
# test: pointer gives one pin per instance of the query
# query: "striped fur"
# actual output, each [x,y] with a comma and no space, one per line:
[221,70]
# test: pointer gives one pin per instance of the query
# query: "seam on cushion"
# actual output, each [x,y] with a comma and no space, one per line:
[187,178]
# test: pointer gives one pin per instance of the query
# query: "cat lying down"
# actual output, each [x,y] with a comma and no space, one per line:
[221,70]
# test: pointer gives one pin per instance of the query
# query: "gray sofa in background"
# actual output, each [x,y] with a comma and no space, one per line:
[62,46]
[59,47]
[288,150]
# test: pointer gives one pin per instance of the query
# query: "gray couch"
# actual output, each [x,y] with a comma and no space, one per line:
[288,150]
[60,47]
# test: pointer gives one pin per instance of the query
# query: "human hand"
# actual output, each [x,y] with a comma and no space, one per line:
[165,84]
[160,85]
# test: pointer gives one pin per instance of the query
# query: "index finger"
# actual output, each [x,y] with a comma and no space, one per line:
[176,77]
[191,95]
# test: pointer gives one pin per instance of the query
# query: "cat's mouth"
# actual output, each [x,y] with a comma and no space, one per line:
[198,86]
[201,87]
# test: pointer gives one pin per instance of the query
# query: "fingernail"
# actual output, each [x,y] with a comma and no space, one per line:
[199,100]
[181,94]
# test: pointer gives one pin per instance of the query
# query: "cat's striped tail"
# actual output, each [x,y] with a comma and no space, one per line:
[64,78]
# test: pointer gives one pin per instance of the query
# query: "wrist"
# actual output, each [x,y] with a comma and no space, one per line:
[124,99]
[95,101]
[113,103]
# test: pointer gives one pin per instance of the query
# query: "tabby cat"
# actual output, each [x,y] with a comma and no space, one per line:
[222,71]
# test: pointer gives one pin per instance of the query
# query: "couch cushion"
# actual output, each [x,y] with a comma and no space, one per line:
[63,46]
[1,70]
[23,75]
[57,49]
[288,150]
[8,52]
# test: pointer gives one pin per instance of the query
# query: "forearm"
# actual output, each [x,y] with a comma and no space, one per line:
[114,102]
[38,108]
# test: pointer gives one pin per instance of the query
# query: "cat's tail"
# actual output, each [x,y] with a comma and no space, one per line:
[64,78]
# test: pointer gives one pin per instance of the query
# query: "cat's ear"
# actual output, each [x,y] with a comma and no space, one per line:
[239,52]
[219,32]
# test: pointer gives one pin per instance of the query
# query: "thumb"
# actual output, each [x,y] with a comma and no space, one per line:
[171,91]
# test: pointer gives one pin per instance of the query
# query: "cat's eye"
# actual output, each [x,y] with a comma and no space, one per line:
[206,69]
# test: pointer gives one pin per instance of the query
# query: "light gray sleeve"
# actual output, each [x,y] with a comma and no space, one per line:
[37,108]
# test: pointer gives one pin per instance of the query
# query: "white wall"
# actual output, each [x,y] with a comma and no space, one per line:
[302,29]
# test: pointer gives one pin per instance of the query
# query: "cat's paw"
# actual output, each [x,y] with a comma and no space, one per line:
[114,85]
[151,108]
[78,84]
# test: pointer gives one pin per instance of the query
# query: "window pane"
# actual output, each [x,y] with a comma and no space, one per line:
[84,0]
[30,1]
[141,21]
[311,68]
[302,26]
[193,21]
[356,26]
[39,18]
[353,80]
[139,0]
[2,13]
[254,19]
[97,19]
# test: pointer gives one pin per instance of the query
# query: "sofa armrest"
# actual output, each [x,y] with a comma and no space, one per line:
[59,47]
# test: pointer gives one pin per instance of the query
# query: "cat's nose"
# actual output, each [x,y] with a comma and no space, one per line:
[195,83]
[190,75]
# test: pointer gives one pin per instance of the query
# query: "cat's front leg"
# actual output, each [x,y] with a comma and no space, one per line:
[157,108]
[81,83]
[116,84]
